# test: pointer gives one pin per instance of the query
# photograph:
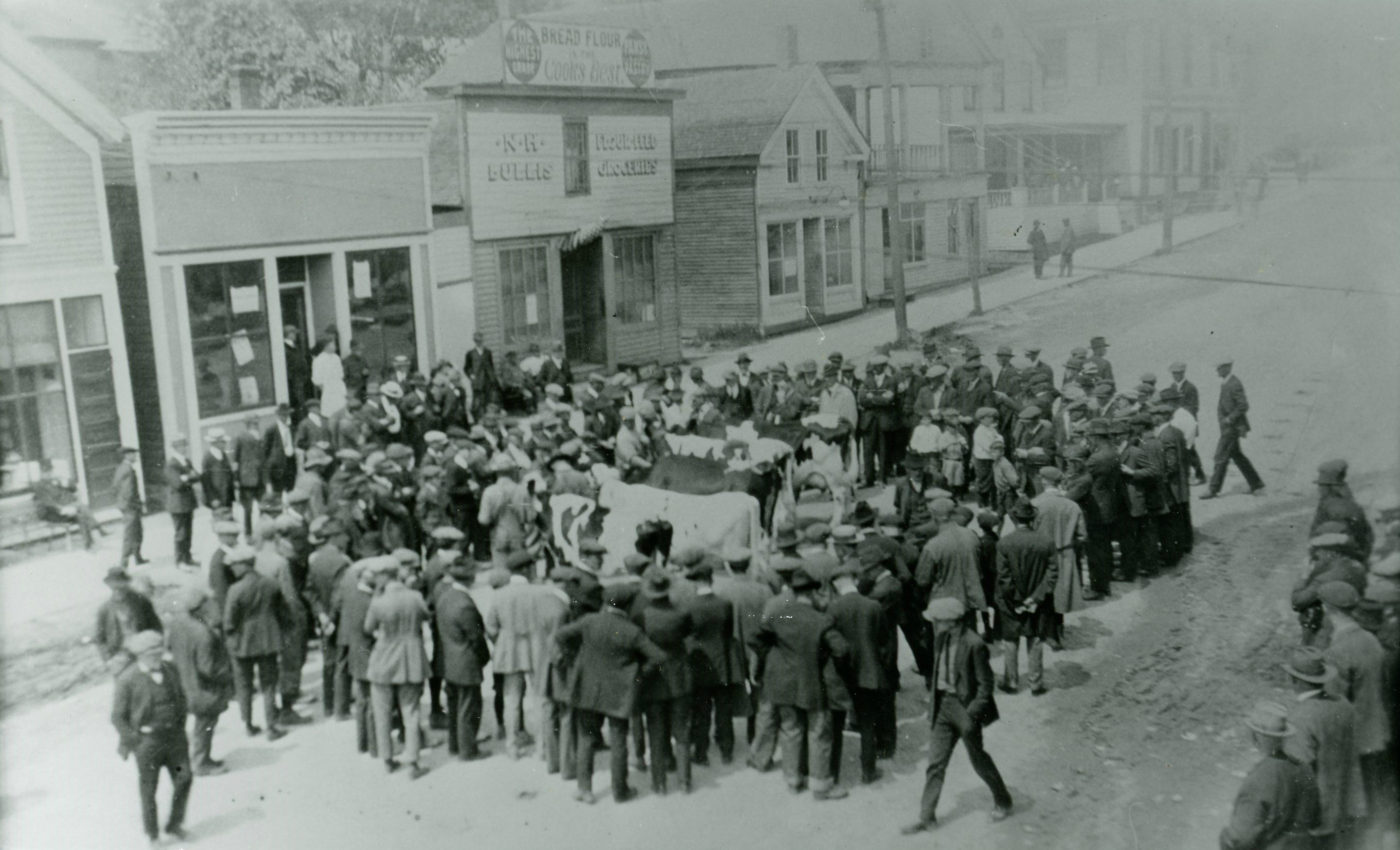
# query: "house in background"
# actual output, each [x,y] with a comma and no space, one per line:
[768,183]
[65,390]
[565,169]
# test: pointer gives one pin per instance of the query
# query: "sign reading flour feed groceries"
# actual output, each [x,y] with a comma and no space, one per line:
[539,53]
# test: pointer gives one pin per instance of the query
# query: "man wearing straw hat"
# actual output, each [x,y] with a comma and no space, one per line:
[1277,807]
[1325,743]
[961,705]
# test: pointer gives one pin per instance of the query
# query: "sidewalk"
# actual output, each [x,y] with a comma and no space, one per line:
[857,337]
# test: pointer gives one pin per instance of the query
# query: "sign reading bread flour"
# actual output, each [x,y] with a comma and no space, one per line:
[539,53]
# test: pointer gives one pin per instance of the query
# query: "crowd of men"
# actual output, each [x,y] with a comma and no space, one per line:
[1017,496]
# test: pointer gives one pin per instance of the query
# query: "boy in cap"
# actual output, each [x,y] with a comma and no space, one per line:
[1324,742]
[983,456]
[206,674]
[148,710]
[1277,806]
[961,705]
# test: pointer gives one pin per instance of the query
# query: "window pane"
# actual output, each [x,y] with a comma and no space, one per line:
[383,321]
[576,157]
[30,338]
[291,270]
[83,323]
[33,405]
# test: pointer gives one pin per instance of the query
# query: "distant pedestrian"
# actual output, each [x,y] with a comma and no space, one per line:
[1067,245]
[1040,249]
[248,462]
[180,500]
[129,502]
[961,705]
[1277,806]
[148,709]
[206,674]
[1234,425]
[121,616]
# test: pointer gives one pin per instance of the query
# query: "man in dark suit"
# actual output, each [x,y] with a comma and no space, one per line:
[871,666]
[1143,468]
[248,463]
[666,689]
[219,575]
[1008,383]
[299,387]
[1099,357]
[1175,529]
[148,709]
[349,607]
[324,569]
[216,473]
[1103,507]
[1191,400]
[1233,412]
[878,400]
[1335,503]
[610,654]
[180,499]
[556,369]
[715,666]
[793,646]
[124,614]
[464,654]
[129,502]
[280,452]
[254,617]
[480,368]
[735,401]
[961,705]
[1027,570]
[58,502]
[205,673]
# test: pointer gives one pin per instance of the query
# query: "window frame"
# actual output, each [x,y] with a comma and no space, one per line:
[841,255]
[915,231]
[260,339]
[823,148]
[577,183]
[637,250]
[511,333]
[36,397]
[782,243]
[792,145]
[10,171]
[1056,64]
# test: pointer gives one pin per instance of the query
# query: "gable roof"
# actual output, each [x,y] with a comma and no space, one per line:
[698,34]
[25,60]
[735,113]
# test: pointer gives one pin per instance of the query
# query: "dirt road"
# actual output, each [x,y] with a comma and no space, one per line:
[1138,743]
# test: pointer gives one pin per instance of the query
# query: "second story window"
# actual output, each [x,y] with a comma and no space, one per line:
[822,154]
[575,156]
[1056,48]
[794,159]
[969,98]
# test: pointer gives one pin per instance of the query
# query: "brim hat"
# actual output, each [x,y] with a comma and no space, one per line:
[391,389]
[433,438]
[1269,718]
[116,575]
[785,537]
[803,579]
[1338,594]
[1023,511]
[1308,664]
[448,534]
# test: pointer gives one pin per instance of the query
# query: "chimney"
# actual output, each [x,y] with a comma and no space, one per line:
[244,87]
[787,46]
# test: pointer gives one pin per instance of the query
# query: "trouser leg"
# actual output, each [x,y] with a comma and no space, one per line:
[148,779]
[382,698]
[886,726]
[455,718]
[941,741]
[202,738]
[589,722]
[177,762]
[498,701]
[183,523]
[657,715]
[837,720]
[983,764]
[329,653]
[915,629]
[469,727]
[868,718]
[1099,552]
[410,701]
[701,704]
[1194,458]
[723,698]
[568,738]
[1251,477]
[366,730]
[131,535]
[267,683]
[765,736]
[344,685]
[638,731]
[982,482]
[435,694]
[246,497]
[1147,545]
[1010,663]
[1224,450]
[290,662]
[243,688]
[514,698]
[819,745]
[792,731]
[617,755]
[870,442]
[1035,661]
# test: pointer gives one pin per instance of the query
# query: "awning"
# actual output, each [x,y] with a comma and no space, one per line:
[585,234]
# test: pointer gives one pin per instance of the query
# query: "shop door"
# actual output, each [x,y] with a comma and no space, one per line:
[99,429]
[294,310]
[812,271]
[585,312]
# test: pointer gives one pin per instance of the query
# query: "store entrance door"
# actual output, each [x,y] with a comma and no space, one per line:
[585,311]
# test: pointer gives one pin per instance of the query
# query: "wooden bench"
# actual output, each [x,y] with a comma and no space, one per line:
[21,527]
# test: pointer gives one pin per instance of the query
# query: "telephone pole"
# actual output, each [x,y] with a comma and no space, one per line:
[1168,131]
[896,223]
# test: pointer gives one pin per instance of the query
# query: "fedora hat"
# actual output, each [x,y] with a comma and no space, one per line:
[1023,510]
[1309,665]
[1269,718]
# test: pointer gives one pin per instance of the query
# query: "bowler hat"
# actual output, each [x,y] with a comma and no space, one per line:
[785,537]
[862,515]
[1310,665]
[802,579]
[1023,510]
[117,575]
[591,546]
[817,532]
[1098,342]
[1269,718]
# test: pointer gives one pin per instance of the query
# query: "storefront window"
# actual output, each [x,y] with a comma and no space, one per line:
[525,312]
[838,252]
[229,334]
[634,267]
[33,405]
[782,258]
[381,306]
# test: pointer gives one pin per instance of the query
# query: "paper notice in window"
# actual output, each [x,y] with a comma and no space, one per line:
[359,273]
[242,349]
[789,267]
[648,312]
[532,310]
[244,299]
[248,390]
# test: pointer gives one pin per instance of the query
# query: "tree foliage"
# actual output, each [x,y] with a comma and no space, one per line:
[307,52]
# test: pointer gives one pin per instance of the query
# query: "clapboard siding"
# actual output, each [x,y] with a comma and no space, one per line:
[659,340]
[487,279]
[716,248]
[60,199]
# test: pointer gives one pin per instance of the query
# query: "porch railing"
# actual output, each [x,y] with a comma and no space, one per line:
[910,158]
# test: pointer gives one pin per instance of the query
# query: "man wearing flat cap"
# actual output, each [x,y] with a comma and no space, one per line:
[947,564]
[717,666]
[1143,465]
[349,605]
[665,694]
[1277,805]
[398,664]
[326,567]
[1232,412]
[873,673]
[464,652]
[1027,573]
[206,674]
[510,625]
[1360,661]
[255,616]
[1335,503]
[1324,741]
[148,710]
[961,705]
[792,646]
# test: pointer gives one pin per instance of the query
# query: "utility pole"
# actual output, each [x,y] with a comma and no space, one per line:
[896,224]
[1168,132]
[974,254]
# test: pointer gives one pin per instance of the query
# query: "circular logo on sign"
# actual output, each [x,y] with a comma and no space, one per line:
[522,52]
[636,58]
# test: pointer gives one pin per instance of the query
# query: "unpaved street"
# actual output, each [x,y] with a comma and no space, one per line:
[1138,743]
